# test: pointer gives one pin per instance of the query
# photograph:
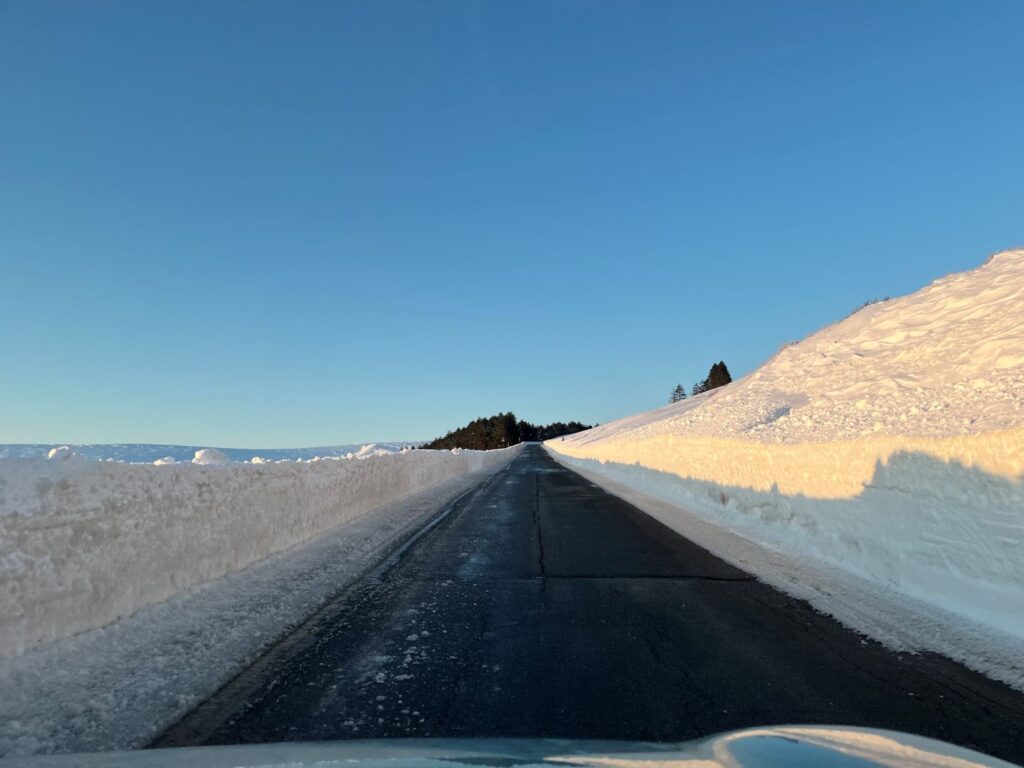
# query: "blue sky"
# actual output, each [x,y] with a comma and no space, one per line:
[286,224]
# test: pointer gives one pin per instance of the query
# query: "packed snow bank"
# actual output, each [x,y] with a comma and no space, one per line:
[83,543]
[889,446]
[119,686]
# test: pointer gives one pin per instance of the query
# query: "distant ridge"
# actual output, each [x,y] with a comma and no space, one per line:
[147,453]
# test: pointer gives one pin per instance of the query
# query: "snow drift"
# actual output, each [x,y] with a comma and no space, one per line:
[83,543]
[889,446]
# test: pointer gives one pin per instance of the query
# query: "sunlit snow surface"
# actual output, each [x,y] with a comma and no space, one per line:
[946,360]
[880,461]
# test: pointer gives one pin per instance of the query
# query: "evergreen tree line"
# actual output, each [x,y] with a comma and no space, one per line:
[718,376]
[501,431]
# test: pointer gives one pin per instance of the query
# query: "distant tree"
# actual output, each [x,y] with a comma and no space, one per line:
[679,393]
[528,433]
[501,431]
[718,376]
[868,303]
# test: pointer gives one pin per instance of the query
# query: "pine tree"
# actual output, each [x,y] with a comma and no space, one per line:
[501,431]
[719,375]
[679,393]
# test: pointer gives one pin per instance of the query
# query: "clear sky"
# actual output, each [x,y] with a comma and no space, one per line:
[286,224]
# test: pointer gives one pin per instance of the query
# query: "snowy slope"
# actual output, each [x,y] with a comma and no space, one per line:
[947,360]
[888,447]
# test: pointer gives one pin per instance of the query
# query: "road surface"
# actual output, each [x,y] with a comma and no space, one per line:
[541,605]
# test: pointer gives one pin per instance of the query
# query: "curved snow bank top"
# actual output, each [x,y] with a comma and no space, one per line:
[148,453]
[947,360]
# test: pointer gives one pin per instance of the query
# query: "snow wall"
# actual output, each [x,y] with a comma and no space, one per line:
[83,543]
[938,519]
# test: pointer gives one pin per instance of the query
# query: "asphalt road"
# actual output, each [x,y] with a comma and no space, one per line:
[543,606]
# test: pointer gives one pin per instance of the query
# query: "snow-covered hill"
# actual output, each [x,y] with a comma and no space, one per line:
[888,447]
[946,360]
